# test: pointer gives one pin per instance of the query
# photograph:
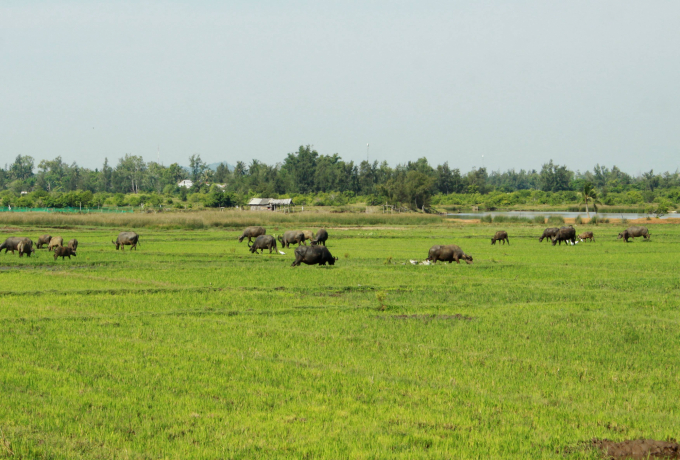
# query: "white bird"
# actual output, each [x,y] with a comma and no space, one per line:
[413,262]
[282,253]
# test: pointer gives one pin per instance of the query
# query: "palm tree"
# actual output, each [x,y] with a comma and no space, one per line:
[589,194]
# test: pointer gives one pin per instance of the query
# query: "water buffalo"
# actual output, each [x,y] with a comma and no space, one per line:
[10,244]
[500,236]
[73,244]
[312,255]
[263,242]
[292,237]
[25,246]
[309,236]
[43,240]
[64,252]
[548,233]
[448,253]
[126,239]
[586,236]
[252,232]
[632,232]
[55,242]
[566,234]
[321,237]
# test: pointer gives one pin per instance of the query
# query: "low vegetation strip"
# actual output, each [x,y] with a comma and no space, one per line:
[192,347]
[214,219]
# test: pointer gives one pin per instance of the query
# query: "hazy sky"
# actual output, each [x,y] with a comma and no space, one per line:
[519,82]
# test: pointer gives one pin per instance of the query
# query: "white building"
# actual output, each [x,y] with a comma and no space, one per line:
[188,183]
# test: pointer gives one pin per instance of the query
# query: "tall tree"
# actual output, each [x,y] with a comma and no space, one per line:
[22,168]
[555,178]
[197,168]
[589,194]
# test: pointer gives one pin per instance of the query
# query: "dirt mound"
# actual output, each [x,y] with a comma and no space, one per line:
[639,448]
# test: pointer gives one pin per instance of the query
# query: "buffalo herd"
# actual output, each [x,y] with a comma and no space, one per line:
[315,254]
[56,245]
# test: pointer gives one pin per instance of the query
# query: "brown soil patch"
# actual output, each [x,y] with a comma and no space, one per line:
[639,448]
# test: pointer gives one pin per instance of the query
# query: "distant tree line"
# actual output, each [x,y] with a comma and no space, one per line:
[304,172]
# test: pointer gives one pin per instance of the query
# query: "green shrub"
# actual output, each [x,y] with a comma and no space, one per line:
[539,219]
[594,220]
[556,220]
[486,219]
[578,220]
[512,219]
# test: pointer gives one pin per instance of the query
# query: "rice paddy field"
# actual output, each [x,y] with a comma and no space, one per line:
[191,347]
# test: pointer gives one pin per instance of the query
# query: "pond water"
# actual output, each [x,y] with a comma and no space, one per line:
[565,214]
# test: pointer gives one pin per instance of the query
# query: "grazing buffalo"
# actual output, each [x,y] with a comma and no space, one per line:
[313,255]
[64,252]
[586,236]
[25,246]
[548,233]
[631,232]
[73,244]
[500,236]
[126,239]
[309,236]
[292,237]
[43,240]
[263,242]
[10,244]
[55,242]
[566,234]
[448,253]
[252,232]
[321,237]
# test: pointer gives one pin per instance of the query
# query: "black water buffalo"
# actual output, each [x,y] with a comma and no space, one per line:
[252,232]
[566,234]
[448,253]
[43,240]
[548,233]
[292,237]
[73,244]
[55,242]
[500,236]
[312,255]
[586,236]
[126,239]
[634,232]
[64,252]
[263,242]
[25,246]
[321,237]
[10,244]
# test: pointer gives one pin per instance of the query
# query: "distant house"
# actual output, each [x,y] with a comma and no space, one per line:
[269,204]
[188,183]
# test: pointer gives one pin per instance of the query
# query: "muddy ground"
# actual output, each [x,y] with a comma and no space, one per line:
[637,449]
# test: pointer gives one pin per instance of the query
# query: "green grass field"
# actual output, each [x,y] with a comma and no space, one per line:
[191,347]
